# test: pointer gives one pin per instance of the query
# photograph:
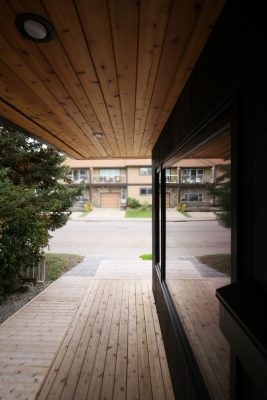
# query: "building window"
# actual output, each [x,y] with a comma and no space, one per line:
[145,191]
[192,175]
[78,175]
[110,175]
[192,197]
[145,171]
[168,175]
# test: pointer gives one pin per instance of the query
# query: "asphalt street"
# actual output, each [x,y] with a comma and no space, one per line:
[133,238]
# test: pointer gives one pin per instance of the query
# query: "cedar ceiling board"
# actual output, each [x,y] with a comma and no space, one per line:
[21,69]
[57,57]
[31,55]
[124,18]
[64,18]
[71,86]
[15,92]
[31,127]
[182,19]
[153,22]
[96,24]
[207,19]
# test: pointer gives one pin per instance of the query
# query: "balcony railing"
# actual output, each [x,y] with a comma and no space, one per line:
[192,180]
[109,179]
[81,179]
[184,179]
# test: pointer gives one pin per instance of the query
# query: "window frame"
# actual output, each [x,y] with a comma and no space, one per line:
[148,189]
[212,127]
[148,173]
[189,174]
[192,193]
[80,177]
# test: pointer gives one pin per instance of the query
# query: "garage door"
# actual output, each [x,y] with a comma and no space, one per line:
[110,200]
[168,200]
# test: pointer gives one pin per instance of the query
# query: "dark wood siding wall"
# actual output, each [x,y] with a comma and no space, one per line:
[231,66]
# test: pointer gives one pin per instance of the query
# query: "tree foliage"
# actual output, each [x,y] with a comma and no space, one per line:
[32,202]
[220,192]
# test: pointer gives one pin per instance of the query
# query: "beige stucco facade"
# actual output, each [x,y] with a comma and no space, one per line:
[134,176]
[135,192]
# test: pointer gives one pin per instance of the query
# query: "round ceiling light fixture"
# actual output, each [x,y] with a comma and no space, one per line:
[34,27]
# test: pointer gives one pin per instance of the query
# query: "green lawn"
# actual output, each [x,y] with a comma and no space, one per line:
[57,264]
[146,256]
[138,214]
[220,262]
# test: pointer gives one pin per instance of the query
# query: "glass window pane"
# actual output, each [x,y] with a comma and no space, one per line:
[145,171]
[198,254]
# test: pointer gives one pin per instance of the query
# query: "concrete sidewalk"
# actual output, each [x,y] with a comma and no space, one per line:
[99,214]
[115,214]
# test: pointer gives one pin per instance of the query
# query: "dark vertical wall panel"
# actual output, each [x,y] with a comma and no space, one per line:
[232,66]
[258,126]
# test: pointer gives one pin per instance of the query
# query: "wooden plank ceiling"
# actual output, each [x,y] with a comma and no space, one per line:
[114,66]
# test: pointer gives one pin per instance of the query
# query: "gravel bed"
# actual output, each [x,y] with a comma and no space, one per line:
[17,300]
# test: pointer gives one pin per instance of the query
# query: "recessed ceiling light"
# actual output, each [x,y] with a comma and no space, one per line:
[98,134]
[34,27]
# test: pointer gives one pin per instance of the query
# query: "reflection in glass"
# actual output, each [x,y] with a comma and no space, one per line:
[198,246]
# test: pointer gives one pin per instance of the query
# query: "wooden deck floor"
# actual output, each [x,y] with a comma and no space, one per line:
[85,338]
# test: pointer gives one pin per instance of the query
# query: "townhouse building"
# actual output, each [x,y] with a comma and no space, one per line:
[109,183]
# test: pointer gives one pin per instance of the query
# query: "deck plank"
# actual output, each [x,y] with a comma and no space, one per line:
[99,365]
[132,366]
[69,346]
[120,384]
[91,351]
[86,338]
[145,389]
[29,340]
[112,349]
